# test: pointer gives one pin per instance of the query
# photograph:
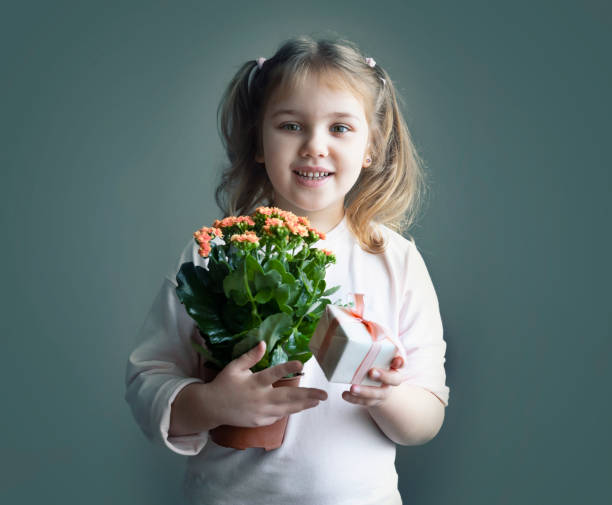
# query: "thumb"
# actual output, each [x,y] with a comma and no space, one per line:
[252,356]
[397,362]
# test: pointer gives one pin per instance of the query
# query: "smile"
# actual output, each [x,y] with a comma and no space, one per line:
[313,175]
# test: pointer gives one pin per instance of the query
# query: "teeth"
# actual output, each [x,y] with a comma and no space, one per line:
[313,175]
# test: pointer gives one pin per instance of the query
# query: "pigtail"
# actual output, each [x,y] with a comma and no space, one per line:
[244,182]
[391,189]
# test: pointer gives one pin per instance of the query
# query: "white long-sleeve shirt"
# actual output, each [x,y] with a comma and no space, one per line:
[332,454]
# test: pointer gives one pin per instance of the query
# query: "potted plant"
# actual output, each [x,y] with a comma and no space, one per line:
[263,280]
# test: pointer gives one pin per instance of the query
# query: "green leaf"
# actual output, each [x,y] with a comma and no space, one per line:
[273,327]
[270,330]
[252,267]
[330,291]
[276,265]
[281,294]
[234,287]
[200,303]
[317,310]
[235,317]
[208,321]
[206,354]
[218,268]
[286,309]
[279,356]
[296,347]
[190,286]
[270,279]
[295,291]
[306,281]
[264,295]
[251,339]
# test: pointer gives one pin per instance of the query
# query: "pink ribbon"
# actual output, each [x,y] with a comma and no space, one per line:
[376,331]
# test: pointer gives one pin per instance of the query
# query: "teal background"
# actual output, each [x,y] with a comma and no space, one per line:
[109,159]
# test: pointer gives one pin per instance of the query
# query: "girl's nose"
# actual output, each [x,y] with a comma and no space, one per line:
[314,146]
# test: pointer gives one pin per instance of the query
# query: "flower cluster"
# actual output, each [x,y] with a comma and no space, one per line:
[228,222]
[203,236]
[268,226]
[249,236]
[283,223]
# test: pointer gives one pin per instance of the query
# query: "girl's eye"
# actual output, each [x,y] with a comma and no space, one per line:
[341,126]
[290,126]
[296,127]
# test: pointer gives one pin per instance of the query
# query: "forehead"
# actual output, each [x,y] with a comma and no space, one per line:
[301,87]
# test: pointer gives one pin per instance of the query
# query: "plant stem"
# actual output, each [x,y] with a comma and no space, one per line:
[248,290]
[314,290]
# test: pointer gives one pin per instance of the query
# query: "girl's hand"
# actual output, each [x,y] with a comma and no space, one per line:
[244,398]
[370,396]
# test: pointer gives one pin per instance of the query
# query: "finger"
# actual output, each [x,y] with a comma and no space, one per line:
[369,391]
[293,408]
[392,377]
[361,400]
[346,395]
[296,395]
[295,399]
[251,357]
[397,362]
[272,374]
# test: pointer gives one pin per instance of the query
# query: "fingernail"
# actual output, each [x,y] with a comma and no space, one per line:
[375,374]
[356,389]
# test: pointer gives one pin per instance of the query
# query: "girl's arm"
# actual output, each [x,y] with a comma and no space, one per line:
[410,415]
[162,364]
[407,413]
[409,406]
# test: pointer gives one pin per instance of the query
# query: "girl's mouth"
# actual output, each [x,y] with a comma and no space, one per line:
[312,176]
[312,179]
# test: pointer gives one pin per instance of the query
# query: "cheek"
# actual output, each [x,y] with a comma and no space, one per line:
[273,146]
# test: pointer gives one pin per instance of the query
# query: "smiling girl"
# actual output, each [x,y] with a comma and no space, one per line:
[315,129]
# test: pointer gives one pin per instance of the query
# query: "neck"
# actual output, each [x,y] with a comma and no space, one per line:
[324,221]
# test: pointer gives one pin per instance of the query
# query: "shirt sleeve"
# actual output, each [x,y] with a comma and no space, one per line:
[162,363]
[421,330]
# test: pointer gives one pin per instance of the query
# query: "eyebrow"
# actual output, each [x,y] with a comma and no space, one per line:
[297,113]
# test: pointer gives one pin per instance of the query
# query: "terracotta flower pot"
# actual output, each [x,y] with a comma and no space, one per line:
[237,437]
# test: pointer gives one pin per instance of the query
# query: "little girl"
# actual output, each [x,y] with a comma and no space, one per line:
[316,129]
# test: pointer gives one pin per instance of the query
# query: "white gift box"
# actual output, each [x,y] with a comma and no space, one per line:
[342,349]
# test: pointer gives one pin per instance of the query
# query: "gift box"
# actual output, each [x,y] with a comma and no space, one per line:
[346,346]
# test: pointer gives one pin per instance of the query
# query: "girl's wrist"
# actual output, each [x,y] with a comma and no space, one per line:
[192,411]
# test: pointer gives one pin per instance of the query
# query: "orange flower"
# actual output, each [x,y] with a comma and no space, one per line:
[207,233]
[226,222]
[320,234]
[249,236]
[203,236]
[204,250]
[273,221]
[290,217]
[297,229]
[265,211]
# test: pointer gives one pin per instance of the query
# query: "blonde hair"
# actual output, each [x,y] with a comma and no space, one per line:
[388,192]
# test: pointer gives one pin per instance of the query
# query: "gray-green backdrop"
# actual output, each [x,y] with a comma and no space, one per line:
[109,159]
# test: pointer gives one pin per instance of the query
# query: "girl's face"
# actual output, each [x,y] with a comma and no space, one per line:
[315,142]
